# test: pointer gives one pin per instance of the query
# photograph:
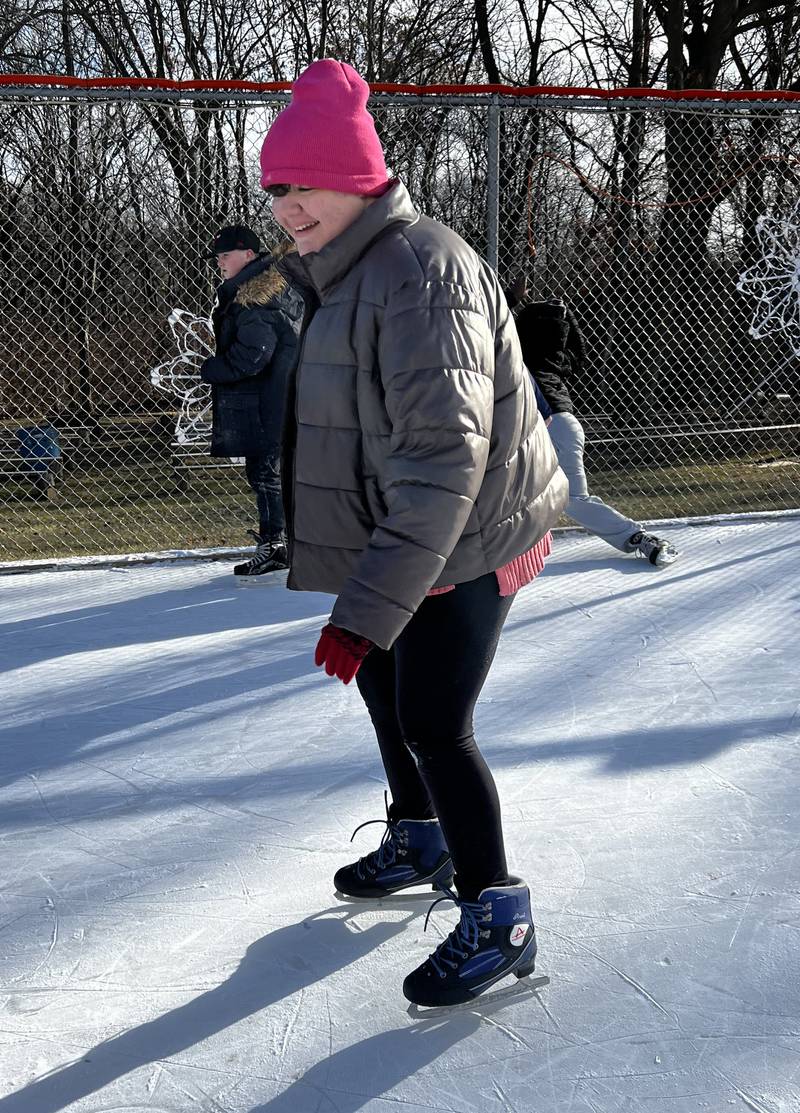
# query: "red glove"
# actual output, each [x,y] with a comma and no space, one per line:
[341,652]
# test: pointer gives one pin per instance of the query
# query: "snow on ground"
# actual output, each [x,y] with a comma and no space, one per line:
[179,784]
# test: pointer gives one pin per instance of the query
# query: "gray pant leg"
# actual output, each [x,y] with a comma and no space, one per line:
[568,438]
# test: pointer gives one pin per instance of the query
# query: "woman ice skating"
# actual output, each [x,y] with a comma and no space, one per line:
[420,484]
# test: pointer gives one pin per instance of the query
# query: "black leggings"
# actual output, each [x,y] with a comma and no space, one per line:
[420,696]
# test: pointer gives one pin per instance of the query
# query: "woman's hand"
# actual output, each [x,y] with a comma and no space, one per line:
[341,652]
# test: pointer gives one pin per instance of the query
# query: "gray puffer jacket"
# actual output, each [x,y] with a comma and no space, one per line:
[414,455]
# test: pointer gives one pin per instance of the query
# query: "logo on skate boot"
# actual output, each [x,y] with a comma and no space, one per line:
[518,933]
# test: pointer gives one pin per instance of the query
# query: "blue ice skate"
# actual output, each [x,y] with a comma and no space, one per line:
[412,852]
[495,937]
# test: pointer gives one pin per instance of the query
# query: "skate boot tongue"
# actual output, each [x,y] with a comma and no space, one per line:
[464,939]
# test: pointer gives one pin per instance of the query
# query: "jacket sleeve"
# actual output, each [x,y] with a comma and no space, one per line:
[436,362]
[255,343]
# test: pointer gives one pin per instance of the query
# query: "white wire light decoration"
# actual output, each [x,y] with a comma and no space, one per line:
[775,278]
[180,378]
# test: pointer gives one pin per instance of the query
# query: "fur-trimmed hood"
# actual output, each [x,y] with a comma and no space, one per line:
[267,284]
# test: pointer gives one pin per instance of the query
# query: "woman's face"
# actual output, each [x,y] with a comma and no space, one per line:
[313,217]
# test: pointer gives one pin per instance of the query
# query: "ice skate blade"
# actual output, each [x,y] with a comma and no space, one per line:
[405,896]
[265,579]
[531,983]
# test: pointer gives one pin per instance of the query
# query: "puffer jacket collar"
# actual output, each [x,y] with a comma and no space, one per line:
[323,269]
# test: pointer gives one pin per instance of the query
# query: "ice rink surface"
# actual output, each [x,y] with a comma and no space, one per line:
[179,784]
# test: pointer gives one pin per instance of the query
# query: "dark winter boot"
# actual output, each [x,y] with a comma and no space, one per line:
[657,550]
[270,556]
[412,852]
[494,938]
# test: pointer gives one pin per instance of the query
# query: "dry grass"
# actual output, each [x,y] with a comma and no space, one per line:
[136,509]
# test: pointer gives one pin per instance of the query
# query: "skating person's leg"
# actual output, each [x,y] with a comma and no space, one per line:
[568,438]
[442,659]
[421,696]
[412,851]
[263,476]
[377,684]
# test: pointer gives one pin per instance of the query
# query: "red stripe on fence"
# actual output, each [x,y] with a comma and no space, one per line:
[163,83]
[62,81]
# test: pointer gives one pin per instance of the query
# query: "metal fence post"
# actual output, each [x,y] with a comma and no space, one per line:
[493,184]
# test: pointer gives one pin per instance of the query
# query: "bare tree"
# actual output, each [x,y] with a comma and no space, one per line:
[613,202]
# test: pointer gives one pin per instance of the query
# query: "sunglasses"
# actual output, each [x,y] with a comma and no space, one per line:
[282,190]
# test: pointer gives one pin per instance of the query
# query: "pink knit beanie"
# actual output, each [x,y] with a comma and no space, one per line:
[325,138]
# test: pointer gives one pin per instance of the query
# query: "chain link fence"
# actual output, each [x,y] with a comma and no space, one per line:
[642,213]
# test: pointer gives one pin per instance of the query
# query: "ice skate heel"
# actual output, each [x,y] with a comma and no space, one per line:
[527,967]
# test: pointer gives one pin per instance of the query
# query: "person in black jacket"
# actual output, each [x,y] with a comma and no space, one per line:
[256,324]
[551,347]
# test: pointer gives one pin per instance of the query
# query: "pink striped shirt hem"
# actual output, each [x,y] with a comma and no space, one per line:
[518,572]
